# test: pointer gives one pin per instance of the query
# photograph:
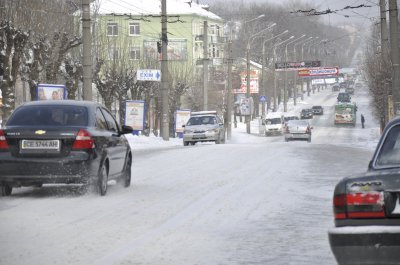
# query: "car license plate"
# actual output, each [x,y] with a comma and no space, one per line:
[40,145]
[198,136]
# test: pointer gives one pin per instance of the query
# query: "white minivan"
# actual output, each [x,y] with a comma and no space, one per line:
[273,123]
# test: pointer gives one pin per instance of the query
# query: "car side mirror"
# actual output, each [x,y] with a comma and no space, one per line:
[126,129]
[183,126]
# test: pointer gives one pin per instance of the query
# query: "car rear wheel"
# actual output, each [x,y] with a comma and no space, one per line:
[128,173]
[5,190]
[102,180]
[185,143]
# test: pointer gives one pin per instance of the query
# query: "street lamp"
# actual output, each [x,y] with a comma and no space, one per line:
[263,69]
[295,72]
[247,117]
[285,92]
[304,43]
[230,100]
[275,46]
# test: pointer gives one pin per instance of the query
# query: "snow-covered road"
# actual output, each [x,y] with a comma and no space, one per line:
[254,200]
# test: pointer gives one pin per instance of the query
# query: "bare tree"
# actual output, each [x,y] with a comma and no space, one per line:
[377,71]
[13,42]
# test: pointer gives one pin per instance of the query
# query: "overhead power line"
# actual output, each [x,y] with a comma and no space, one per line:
[314,12]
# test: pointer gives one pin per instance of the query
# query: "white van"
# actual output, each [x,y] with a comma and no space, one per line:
[273,123]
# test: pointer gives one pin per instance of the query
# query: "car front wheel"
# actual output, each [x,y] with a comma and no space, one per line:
[5,190]
[128,173]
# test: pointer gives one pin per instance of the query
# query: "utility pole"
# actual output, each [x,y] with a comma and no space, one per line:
[230,98]
[87,47]
[205,66]
[394,53]
[164,72]
[384,52]
[384,29]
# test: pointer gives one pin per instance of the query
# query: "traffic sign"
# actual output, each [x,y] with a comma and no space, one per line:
[148,75]
[263,98]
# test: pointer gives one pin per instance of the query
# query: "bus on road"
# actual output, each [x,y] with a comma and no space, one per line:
[345,113]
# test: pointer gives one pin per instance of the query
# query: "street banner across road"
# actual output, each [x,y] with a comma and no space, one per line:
[319,71]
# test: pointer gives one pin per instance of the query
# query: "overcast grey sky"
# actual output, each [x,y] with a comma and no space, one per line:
[361,16]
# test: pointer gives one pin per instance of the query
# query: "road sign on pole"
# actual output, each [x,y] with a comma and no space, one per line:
[263,98]
[148,75]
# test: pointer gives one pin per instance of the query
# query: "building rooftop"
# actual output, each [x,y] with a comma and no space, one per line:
[151,7]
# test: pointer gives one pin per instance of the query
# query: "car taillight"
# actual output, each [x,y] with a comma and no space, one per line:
[3,141]
[359,205]
[287,129]
[308,130]
[83,140]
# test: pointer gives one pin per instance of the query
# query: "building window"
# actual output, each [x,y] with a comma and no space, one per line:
[113,54]
[134,53]
[134,29]
[112,29]
[212,30]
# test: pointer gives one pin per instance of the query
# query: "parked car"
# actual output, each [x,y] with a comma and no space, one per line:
[344,97]
[306,114]
[367,208]
[63,141]
[273,124]
[317,110]
[204,126]
[297,130]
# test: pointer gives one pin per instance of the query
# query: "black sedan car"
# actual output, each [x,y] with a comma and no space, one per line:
[367,208]
[306,114]
[63,141]
[317,110]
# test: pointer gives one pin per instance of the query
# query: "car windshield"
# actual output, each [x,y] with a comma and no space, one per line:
[49,115]
[389,154]
[200,120]
[270,121]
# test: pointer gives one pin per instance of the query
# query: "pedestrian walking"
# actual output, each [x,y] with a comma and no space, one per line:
[362,121]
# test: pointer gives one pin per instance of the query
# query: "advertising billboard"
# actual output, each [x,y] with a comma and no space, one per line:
[177,50]
[135,114]
[50,92]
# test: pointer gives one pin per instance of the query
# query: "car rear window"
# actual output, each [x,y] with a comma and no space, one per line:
[49,115]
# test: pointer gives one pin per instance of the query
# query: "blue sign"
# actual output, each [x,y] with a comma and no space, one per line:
[263,98]
[148,75]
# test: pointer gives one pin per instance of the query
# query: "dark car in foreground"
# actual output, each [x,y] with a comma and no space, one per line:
[367,208]
[306,114]
[317,110]
[63,141]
